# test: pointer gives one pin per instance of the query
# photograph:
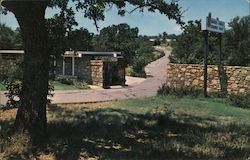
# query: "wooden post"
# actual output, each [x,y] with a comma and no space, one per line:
[205,61]
[63,71]
[73,66]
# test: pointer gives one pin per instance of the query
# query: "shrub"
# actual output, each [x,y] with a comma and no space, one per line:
[180,92]
[65,80]
[241,100]
[11,79]
[81,85]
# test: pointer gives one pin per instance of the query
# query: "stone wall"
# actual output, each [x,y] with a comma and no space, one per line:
[7,62]
[97,72]
[191,75]
[82,67]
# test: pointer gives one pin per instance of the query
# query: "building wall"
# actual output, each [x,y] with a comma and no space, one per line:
[82,67]
[9,60]
[191,75]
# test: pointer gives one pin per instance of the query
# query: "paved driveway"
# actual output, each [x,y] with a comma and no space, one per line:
[136,88]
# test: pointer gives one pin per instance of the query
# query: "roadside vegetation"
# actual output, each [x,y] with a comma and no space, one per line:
[161,127]
[188,47]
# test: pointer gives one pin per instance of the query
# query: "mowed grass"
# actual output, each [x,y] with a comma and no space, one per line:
[60,86]
[57,86]
[2,87]
[149,128]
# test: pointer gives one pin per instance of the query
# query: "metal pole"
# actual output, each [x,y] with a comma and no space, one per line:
[205,61]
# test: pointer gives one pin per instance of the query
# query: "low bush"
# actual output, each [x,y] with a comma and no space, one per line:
[241,100]
[180,92]
[65,80]
[81,84]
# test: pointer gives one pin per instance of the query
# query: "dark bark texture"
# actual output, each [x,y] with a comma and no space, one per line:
[31,115]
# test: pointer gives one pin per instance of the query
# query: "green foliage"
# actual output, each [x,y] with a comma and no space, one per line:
[7,37]
[10,39]
[11,79]
[81,84]
[189,47]
[119,38]
[241,100]
[2,87]
[80,40]
[65,80]
[180,92]
[237,42]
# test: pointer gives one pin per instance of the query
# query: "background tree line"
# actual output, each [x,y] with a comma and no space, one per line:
[188,47]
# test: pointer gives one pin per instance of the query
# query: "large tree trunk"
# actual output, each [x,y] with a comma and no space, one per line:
[31,115]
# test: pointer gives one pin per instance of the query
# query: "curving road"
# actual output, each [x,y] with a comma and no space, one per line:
[156,76]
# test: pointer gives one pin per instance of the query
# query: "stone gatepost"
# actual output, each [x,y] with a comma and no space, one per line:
[97,69]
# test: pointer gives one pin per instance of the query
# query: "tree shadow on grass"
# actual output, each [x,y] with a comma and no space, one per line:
[119,134]
[111,133]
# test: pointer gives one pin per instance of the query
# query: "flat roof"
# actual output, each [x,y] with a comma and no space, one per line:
[89,53]
[12,51]
[69,53]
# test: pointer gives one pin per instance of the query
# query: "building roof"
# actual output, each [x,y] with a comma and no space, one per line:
[11,51]
[82,53]
[71,53]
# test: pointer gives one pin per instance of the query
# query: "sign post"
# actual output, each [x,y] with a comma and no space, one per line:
[213,25]
[205,61]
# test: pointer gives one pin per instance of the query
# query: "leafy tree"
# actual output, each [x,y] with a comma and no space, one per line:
[10,39]
[80,39]
[236,44]
[6,37]
[238,41]
[18,41]
[118,38]
[188,47]
[31,115]
[143,56]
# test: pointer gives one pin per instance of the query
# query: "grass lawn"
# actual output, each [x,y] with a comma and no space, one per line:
[154,128]
[56,84]
[61,86]
[2,88]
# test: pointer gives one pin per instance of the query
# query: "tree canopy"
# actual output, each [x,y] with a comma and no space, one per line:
[10,39]
[118,38]
[236,42]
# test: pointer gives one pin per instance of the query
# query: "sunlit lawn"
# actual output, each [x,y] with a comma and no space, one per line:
[57,86]
[150,128]
[2,87]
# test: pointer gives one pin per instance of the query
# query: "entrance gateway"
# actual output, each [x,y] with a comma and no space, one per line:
[214,25]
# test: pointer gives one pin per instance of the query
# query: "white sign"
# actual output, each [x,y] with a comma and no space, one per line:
[213,25]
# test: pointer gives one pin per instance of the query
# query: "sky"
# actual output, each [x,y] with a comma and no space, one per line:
[154,23]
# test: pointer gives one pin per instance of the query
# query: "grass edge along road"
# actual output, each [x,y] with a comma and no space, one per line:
[147,128]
